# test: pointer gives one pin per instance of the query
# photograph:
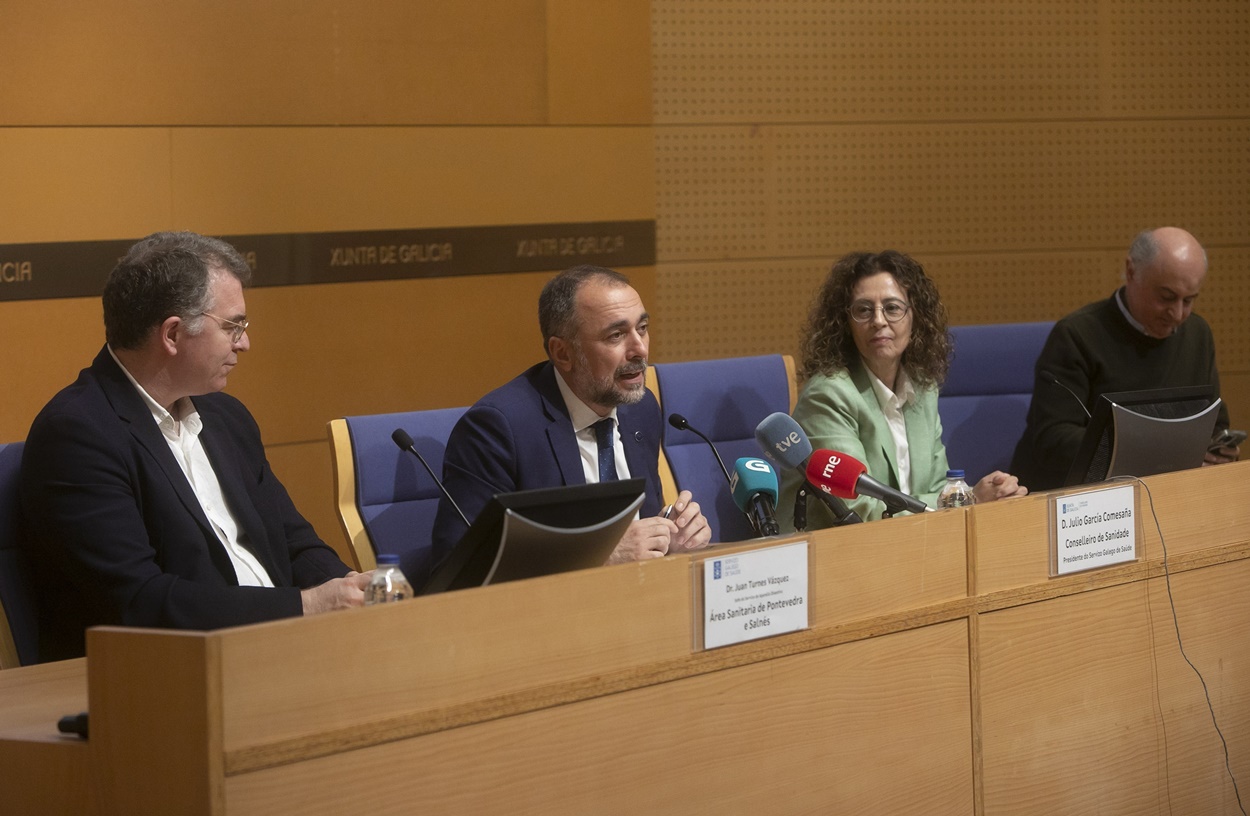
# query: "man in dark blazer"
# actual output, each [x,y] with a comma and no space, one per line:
[146,495]
[538,431]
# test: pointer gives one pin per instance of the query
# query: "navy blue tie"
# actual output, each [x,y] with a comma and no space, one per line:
[607,454]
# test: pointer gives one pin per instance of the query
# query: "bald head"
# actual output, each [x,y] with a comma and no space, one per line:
[1163,273]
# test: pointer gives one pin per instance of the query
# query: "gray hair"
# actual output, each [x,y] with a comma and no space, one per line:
[1143,250]
[165,274]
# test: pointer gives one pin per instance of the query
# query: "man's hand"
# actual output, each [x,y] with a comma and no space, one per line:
[998,485]
[693,531]
[1222,455]
[645,538]
[337,593]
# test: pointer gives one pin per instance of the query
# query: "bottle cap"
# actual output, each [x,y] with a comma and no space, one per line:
[954,474]
[388,560]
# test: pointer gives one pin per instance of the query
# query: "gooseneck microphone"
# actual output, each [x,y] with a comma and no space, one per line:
[680,423]
[845,476]
[1053,380]
[405,443]
[785,443]
[754,489]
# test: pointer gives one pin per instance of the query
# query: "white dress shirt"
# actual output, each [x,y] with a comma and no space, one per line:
[892,405]
[183,436]
[584,418]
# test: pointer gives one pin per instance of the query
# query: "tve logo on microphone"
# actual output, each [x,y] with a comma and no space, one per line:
[785,443]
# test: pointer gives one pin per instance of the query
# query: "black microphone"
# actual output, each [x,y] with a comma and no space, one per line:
[401,438]
[679,422]
[682,424]
[1053,380]
[845,476]
[786,444]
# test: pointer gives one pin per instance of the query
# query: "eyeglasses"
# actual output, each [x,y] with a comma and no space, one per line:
[892,310]
[236,330]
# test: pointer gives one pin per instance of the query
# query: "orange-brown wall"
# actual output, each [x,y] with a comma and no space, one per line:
[132,116]
[1014,147]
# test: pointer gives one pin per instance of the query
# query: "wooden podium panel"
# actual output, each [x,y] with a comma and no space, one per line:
[834,730]
[42,771]
[587,692]
[1199,510]
[1088,707]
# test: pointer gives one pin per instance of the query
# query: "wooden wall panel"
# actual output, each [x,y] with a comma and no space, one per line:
[899,60]
[1164,58]
[78,184]
[145,62]
[597,53]
[821,190]
[257,180]
[1015,148]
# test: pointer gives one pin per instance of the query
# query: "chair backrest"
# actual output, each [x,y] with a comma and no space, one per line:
[726,400]
[985,399]
[386,500]
[19,629]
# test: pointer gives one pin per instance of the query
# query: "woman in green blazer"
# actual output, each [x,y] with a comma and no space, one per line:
[875,351]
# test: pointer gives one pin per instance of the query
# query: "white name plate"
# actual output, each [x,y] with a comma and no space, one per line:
[754,594]
[1092,529]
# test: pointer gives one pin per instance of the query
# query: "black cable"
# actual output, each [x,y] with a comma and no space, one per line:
[1167,576]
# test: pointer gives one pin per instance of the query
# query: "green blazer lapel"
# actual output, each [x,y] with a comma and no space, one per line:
[878,443]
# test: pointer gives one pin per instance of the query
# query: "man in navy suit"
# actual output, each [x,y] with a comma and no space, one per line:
[146,495]
[583,416]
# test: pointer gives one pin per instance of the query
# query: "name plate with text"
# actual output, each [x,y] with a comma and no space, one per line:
[755,594]
[1092,529]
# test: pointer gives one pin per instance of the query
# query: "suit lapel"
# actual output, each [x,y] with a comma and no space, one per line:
[234,478]
[134,412]
[879,440]
[559,429]
[631,439]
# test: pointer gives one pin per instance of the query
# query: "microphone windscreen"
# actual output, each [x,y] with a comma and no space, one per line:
[783,441]
[751,477]
[402,439]
[835,473]
[678,421]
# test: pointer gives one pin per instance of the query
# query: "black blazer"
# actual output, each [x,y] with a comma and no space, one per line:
[115,535]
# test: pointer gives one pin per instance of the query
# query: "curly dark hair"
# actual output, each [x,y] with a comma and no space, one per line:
[827,344]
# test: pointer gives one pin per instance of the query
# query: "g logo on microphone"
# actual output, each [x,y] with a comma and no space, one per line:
[758,465]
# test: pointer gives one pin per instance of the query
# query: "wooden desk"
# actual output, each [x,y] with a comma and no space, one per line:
[942,673]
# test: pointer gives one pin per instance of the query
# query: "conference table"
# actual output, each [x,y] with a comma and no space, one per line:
[944,669]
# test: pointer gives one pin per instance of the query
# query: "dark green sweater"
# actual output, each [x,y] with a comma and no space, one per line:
[1093,351]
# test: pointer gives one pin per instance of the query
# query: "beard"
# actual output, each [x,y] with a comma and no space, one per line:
[606,391]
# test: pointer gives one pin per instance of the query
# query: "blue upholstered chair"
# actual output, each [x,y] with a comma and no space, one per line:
[726,400]
[985,398]
[19,631]
[386,500]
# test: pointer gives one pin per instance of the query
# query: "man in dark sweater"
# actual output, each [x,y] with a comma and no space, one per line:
[1143,336]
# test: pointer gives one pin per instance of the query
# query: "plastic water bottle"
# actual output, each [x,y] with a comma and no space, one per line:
[389,584]
[956,493]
